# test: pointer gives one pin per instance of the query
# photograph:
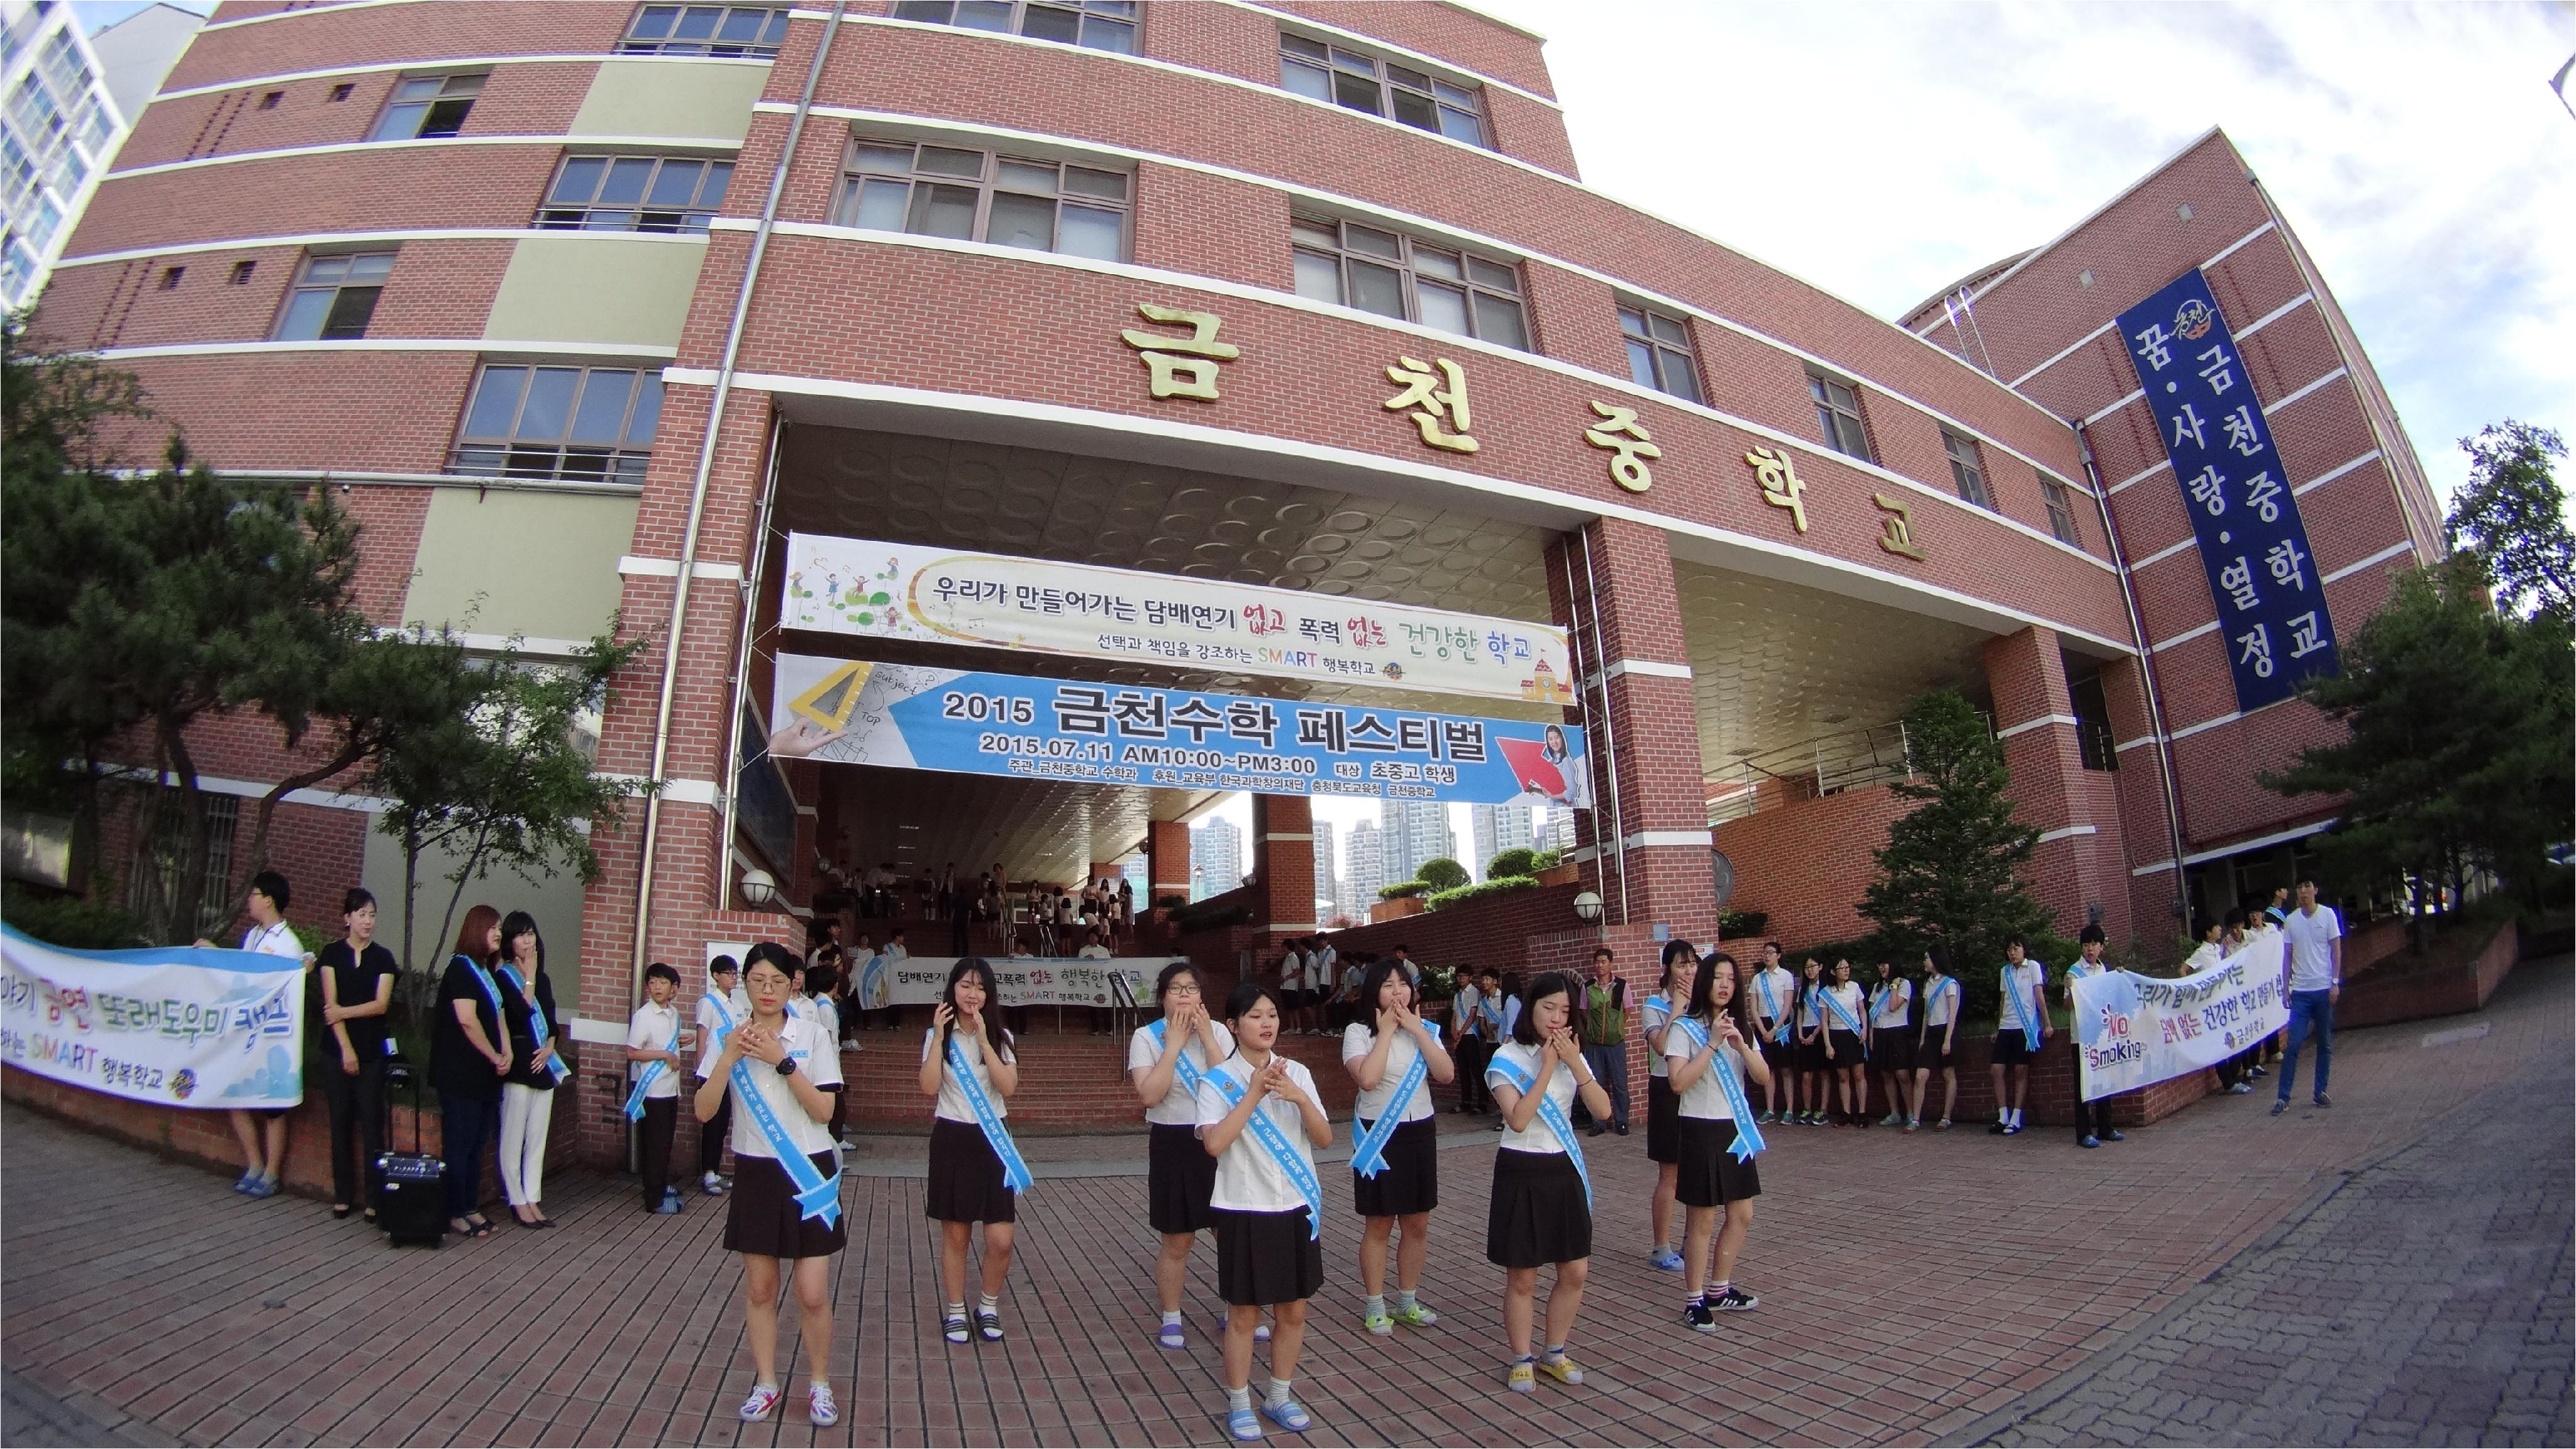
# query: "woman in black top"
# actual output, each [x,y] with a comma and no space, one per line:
[469,1055]
[355,978]
[528,1095]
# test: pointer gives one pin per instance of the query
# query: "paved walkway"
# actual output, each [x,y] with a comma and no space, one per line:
[1912,1287]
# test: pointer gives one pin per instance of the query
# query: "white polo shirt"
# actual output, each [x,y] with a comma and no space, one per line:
[818,1061]
[1248,1178]
[2312,939]
[1359,1039]
[651,1029]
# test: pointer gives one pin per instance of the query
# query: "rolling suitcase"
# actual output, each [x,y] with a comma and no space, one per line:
[411,1190]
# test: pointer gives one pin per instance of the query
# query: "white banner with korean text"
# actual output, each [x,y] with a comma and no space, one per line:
[1024,980]
[2133,1031]
[882,590]
[179,1026]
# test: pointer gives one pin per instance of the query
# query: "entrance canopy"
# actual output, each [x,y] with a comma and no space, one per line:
[1038,830]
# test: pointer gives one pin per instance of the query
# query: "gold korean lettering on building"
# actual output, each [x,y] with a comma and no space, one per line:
[1781,485]
[1180,366]
[1898,537]
[1436,403]
[1629,446]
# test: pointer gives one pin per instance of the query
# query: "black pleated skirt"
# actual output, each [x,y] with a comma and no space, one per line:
[1538,1215]
[1179,1176]
[1710,1175]
[1892,1050]
[1266,1258]
[966,1183]
[1847,1052]
[762,1216]
[1663,1119]
[1811,1056]
[1411,1181]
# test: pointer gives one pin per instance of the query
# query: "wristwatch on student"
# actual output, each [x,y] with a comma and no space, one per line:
[786,1066]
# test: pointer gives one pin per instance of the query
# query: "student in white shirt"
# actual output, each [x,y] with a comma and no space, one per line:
[1663,1107]
[2315,934]
[822,1007]
[1541,1211]
[1934,1039]
[968,1184]
[1266,1249]
[262,1132]
[1179,1174]
[724,983]
[2092,1119]
[1810,1032]
[789,1061]
[2013,1051]
[2221,940]
[1773,1004]
[1891,1044]
[1712,1181]
[653,1038]
[1379,1052]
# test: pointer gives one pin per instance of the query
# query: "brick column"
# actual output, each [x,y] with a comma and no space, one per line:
[1653,733]
[1283,865]
[2036,719]
[1167,862]
[2146,832]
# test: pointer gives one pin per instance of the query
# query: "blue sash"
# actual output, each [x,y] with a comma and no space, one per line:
[724,1020]
[1489,1011]
[1771,1008]
[1369,1158]
[1932,990]
[1190,1075]
[538,1027]
[819,1196]
[1843,1014]
[1550,1113]
[1015,1172]
[491,993]
[1301,1175]
[872,982]
[652,1072]
[2030,1034]
[1748,1138]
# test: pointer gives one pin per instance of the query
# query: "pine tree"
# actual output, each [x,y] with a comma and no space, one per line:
[1951,868]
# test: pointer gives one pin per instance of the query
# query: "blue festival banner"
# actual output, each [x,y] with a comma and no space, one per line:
[918,718]
[2270,600]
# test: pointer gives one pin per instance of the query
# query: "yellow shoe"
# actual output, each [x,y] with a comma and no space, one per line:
[1522,1380]
[1562,1369]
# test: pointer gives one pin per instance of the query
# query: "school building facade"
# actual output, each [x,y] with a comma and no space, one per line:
[584,307]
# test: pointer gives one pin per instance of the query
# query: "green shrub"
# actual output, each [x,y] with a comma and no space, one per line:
[1441,874]
[69,921]
[1504,885]
[1403,888]
[1739,925]
[1519,860]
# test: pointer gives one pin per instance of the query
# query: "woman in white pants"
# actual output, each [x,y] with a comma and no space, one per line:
[528,1092]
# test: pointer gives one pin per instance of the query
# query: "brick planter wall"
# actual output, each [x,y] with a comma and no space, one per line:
[2454,975]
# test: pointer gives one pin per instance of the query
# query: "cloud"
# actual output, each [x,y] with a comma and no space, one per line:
[1881,151]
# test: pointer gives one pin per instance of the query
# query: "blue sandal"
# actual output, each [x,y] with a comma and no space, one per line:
[1244,1425]
[1289,1415]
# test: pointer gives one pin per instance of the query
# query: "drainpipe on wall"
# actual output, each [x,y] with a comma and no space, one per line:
[2146,675]
[697,515]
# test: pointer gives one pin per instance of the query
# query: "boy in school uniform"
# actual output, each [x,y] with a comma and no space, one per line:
[653,1060]
[724,983]
[2092,1119]
[2016,1046]
[1772,1001]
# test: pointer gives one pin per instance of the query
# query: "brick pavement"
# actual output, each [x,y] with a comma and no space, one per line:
[1912,1286]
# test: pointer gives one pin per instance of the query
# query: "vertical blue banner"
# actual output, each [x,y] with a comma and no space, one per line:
[2271,603]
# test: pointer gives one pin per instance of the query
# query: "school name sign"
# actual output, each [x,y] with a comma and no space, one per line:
[175,1026]
[2133,1031]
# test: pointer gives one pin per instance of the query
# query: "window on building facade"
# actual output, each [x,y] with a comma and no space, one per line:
[240,274]
[2093,741]
[1658,352]
[1395,276]
[1381,88]
[207,903]
[1012,201]
[428,106]
[170,278]
[578,424]
[725,30]
[635,193]
[1966,469]
[2061,512]
[1838,416]
[334,297]
[1099,24]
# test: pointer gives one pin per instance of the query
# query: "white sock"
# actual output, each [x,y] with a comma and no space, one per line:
[2016,1116]
[955,1310]
[1375,1307]
[2004,1115]
[1172,1319]
[1403,1300]
[1276,1394]
[992,1303]
[1238,1401]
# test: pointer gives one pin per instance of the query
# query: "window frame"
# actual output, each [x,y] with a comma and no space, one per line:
[1832,415]
[755,48]
[1968,472]
[348,283]
[623,462]
[689,220]
[2060,502]
[1344,258]
[848,206]
[1662,352]
[394,101]
[1332,62]
[1112,16]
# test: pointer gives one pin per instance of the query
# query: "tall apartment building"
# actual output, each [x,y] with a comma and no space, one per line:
[1364,869]
[1498,828]
[1216,853]
[1414,831]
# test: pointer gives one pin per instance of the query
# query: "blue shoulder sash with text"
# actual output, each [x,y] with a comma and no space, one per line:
[2271,602]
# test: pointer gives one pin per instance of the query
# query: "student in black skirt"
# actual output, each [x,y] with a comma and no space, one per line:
[1812,1063]
[1179,1174]
[1267,1255]
[1712,1180]
[1378,1051]
[1934,1038]
[1845,1059]
[1663,1120]
[791,1061]
[967,1185]
[1891,1044]
[1540,1212]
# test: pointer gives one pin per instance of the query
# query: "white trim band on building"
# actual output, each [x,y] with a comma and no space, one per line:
[2041,723]
[2383,556]
[2160,555]
[253,790]
[1646,839]
[636,352]
[445,62]
[335,148]
[1294,926]
[2296,832]
[2186,636]
[2067,832]
[2271,408]
[2325,478]
[636,566]
[1649,667]
[396,235]
[1289,835]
